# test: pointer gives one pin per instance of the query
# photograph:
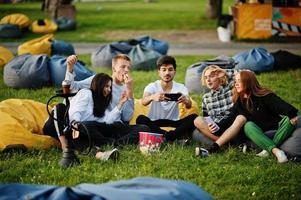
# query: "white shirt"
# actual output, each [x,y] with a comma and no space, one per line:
[81,109]
[164,109]
[128,107]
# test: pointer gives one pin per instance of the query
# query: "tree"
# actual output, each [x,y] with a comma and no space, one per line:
[214,8]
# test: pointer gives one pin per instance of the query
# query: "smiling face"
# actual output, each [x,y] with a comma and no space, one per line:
[120,68]
[167,73]
[107,89]
[211,79]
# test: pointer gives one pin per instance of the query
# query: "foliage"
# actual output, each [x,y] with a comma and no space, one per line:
[95,18]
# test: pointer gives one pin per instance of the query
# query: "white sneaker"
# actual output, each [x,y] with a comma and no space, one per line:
[263,154]
[281,157]
[106,155]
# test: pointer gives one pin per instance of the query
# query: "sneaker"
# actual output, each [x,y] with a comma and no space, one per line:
[281,157]
[263,154]
[201,152]
[108,155]
[214,148]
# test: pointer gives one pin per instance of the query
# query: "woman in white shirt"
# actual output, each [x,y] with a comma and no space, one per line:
[91,108]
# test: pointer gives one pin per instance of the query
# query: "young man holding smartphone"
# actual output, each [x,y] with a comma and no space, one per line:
[164,95]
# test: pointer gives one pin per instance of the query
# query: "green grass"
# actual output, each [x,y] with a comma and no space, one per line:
[95,18]
[229,175]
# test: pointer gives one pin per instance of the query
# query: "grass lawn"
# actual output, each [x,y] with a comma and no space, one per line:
[228,175]
[95,18]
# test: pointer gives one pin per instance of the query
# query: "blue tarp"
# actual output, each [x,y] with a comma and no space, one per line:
[134,189]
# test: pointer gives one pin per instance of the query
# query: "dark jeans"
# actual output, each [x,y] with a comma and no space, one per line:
[184,127]
[116,134]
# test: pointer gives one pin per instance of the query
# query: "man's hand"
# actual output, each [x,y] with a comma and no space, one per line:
[128,81]
[71,60]
[160,96]
[185,100]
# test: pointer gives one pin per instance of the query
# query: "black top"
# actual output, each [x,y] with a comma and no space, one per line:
[266,111]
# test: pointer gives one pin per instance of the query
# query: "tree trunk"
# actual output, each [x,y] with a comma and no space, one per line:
[214,8]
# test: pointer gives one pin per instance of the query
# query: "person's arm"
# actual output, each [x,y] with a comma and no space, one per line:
[79,105]
[75,85]
[127,110]
[150,94]
[114,115]
[185,99]
[204,108]
[148,98]
[278,105]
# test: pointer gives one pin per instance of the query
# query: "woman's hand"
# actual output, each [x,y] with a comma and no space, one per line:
[212,128]
[71,60]
[294,120]
[122,100]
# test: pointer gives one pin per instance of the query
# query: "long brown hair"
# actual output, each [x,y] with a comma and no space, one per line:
[100,102]
[251,87]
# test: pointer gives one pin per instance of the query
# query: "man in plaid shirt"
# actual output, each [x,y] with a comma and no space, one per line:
[216,105]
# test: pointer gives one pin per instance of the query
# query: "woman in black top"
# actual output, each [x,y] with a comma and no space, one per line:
[264,111]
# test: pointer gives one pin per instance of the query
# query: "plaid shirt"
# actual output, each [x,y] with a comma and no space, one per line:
[218,103]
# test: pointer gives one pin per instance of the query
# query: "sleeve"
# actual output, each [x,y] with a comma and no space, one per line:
[278,105]
[77,85]
[149,89]
[204,108]
[127,110]
[230,74]
[111,116]
[79,105]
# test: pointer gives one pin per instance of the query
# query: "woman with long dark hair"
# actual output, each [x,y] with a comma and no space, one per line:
[91,108]
[264,111]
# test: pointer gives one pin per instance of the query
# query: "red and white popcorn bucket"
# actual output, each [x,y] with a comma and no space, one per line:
[150,142]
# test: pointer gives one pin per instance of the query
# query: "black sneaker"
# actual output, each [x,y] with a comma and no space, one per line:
[214,148]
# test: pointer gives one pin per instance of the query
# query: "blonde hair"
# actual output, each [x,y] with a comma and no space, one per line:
[120,56]
[214,68]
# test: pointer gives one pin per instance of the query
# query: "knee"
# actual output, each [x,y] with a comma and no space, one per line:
[141,119]
[248,125]
[198,122]
[241,119]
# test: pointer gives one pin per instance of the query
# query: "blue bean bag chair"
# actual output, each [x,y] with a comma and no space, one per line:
[151,43]
[10,31]
[27,71]
[134,189]
[102,57]
[257,60]
[59,47]
[57,68]
[65,24]
[143,58]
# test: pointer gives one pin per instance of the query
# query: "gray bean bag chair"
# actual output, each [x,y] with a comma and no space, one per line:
[143,58]
[151,43]
[102,57]
[27,71]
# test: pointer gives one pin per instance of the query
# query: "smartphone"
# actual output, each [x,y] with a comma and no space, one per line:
[173,96]
[209,120]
